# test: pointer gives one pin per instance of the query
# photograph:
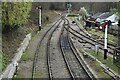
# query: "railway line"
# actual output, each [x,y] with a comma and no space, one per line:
[48,53]
[57,67]
[73,62]
[92,38]
[43,59]
[85,37]
[58,59]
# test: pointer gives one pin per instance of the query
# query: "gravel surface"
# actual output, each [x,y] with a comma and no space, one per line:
[41,64]
[25,67]
[58,67]
[74,64]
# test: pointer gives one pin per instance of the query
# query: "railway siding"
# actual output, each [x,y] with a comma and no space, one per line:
[81,34]
[110,72]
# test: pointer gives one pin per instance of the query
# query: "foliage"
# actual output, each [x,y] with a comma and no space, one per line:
[118,5]
[117,9]
[15,13]
[83,11]
[114,10]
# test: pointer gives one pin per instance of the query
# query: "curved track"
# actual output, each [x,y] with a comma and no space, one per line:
[55,61]
[72,65]
[84,36]
[102,43]
[47,35]
[73,62]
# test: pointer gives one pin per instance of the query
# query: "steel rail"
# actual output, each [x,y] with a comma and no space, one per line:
[37,49]
[48,52]
[77,58]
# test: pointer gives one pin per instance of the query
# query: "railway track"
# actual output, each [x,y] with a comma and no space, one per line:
[57,67]
[73,62]
[48,53]
[84,36]
[45,38]
[74,68]
[91,37]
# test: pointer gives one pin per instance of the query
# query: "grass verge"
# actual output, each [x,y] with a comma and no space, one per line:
[96,68]
[108,62]
[111,39]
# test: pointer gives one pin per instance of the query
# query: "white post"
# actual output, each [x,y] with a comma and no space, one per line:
[105,42]
[40,18]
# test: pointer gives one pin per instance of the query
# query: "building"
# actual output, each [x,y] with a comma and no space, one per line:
[99,19]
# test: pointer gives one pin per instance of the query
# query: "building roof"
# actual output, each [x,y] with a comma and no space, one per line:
[104,15]
[96,15]
[112,18]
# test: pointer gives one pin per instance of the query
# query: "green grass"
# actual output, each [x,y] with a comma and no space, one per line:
[0,60]
[99,70]
[111,39]
[108,62]
[4,61]
[25,56]
[95,66]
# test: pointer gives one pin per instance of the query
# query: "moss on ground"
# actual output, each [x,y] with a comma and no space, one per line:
[25,56]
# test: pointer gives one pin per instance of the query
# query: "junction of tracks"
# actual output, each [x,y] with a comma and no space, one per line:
[57,54]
